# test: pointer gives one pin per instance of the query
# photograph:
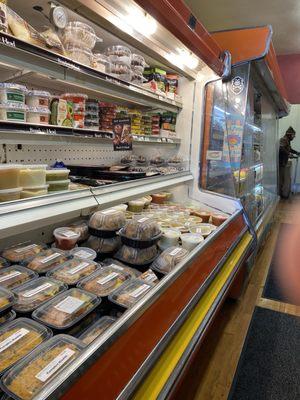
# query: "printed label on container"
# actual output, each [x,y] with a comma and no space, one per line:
[54,365]
[15,116]
[108,278]
[41,288]
[143,220]
[116,267]
[5,344]
[175,251]
[49,258]
[69,305]
[78,268]
[21,249]
[15,97]
[108,212]
[9,276]
[68,234]
[150,277]
[82,254]
[137,292]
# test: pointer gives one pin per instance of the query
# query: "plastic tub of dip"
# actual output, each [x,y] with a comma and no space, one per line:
[80,35]
[58,186]
[12,93]
[191,240]
[36,371]
[13,112]
[34,191]
[84,252]
[38,115]
[72,271]
[38,98]
[10,194]
[57,174]
[65,238]
[9,176]
[32,175]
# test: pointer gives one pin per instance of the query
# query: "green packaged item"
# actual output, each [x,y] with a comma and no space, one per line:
[62,112]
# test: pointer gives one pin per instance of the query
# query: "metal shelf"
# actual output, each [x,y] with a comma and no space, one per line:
[44,68]
[23,215]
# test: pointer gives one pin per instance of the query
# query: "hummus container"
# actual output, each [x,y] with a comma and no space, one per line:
[109,262]
[58,186]
[10,316]
[119,54]
[34,191]
[38,115]
[57,174]
[65,238]
[191,240]
[9,176]
[130,293]
[101,63]
[7,299]
[97,329]
[10,194]
[47,260]
[83,252]
[73,270]
[13,112]
[104,281]
[20,252]
[106,223]
[41,367]
[66,309]
[80,35]
[32,175]
[38,98]
[137,257]
[15,275]
[168,259]
[12,93]
[18,338]
[82,56]
[33,294]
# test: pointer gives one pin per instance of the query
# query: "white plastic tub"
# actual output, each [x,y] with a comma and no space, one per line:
[38,98]
[13,112]
[32,176]
[10,194]
[12,93]
[34,191]
[37,115]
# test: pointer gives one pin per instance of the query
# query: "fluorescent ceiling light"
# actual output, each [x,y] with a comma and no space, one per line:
[141,21]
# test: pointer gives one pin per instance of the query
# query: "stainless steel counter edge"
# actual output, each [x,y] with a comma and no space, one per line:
[68,376]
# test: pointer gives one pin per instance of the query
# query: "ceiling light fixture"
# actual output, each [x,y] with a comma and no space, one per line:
[141,22]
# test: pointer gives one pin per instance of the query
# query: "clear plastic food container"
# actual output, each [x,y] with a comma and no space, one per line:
[10,194]
[33,294]
[169,238]
[97,329]
[140,233]
[57,174]
[191,240]
[38,98]
[109,262]
[104,281]
[32,175]
[10,316]
[130,293]
[101,63]
[137,78]
[218,219]
[136,206]
[138,63]
[205,215]
[9,176]
[149,277]
[73,270]
[47,260]
[38,115]
[105,223]
[137,257]
[13,112]
[119,54]
[66,309]
[7,300]
[15,275]
[203,229]
[120,68]
[34,191]
[82,228]
[23,251]
[65,238]
[57,186]
[84,252]
[103,245]
[82,56]
[79,34]
[168,259]
[78,99]
[42,366]
[12,93]
[4,263]
[18,338]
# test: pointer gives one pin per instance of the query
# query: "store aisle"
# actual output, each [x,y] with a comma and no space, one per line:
[219,357]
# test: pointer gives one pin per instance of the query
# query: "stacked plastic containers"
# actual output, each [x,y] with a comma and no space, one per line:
[79,105]
[79,39]
[10,182]
[120,59]
[136,121]
[138,65]
[103,227]
[57,179]
[91,120]
[12,102]
[38,103]
[33,181]
[107,113]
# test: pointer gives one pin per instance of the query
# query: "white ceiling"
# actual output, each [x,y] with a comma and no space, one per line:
[283,15]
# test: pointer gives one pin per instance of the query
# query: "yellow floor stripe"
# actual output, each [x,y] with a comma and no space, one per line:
[157,378]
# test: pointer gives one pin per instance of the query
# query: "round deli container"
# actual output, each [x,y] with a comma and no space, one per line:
[38,98]
[38,115]
[13,112]
[12,93]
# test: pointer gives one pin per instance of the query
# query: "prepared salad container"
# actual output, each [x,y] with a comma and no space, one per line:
[15,275]
[18,338]
[80,35]
[97,329]
[22,251]
[12,93]
[4,263]
[9,176]
[168,259]
[13,112]
[140,233]
[43,365]
[104,281]
[78,99]
[10,316]
[72,271]
[47,260]
[65,238]
[83,252]
[66,309]
[130,293]
[110,262]
[149,277]
[38,98]
[33,294]
[105,223]
[7,299]
[103,245]
[137,257]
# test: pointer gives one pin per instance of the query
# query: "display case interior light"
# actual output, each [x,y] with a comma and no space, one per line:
[183,58]
[140,21]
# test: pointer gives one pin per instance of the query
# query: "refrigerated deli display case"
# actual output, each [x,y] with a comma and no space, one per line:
[109,245]
[240,137]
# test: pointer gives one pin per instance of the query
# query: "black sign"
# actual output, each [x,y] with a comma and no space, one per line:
[122,138]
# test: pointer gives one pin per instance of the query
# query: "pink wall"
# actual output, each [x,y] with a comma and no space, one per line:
[290,69]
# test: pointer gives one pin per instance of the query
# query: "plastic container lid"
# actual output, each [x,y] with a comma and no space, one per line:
[43,187]
[42,366]
[118,50]
[22,251]
[109,262]
[104,281]
[73,270]
[82,25]
[4,263]
[168,259]
[83,252]
[63,182]
[11,191]
[130,293]
[47,260]
[7,299]
[142,229]
[65,232]
[97,329]
[13,106]
[18,338]
[14,86]
[66,309]
[35,293]
[78,96]
[15,275]
[34,166]
[39,93]
[107,220]
[137,257]
[103,245]
[39,110]
[10,166]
